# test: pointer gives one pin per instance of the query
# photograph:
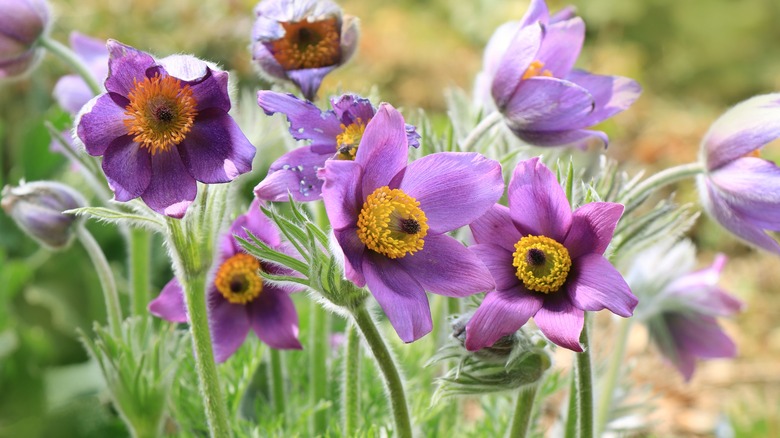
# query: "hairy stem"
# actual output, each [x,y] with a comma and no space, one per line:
[277,380]
[482,127]
[571,411]
[69,57]
[613,372]
[140,246]
[106,276]
[318,365]
[352,382]
[660,179]
[584,386]
[524,406]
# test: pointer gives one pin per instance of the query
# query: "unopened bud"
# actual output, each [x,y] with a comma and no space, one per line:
[22,22]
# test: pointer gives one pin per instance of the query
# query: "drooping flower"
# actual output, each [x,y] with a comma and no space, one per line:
[238,298]
[547,262]
[680,307]
[334,134]
[37,209]
[740,189]
[302,41]
[22,22]
[71,92]
[390,220]
[528,71]
[161,126]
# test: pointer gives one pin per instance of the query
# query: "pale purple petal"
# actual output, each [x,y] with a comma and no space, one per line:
[548,104]
[496,227]
[498,260]
[341,192]
[537,11]
[749,179]
[612,94]
[501,313]
[594,284]
[350,37]
[294,173]
[350,108]
[101,122]
[383,149]
[128,168]
[578,138]
[211,91]
[353,250]
[560,321]
[171,189]
[72,93]
[125,65]
[561,46]
[308,80]
[229,325]
[537,202]
[453,188]
[169,305]
[515,61]
[274,319]
[307,122]
[701,336]
[269,66]
[91,50]
[592,228]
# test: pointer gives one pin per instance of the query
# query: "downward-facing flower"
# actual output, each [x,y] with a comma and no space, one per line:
[238,298]
[680,307]
[161,126]
[71,92]
[334,134]
[547,262]
[390,220]
[740,189]
[528,71]
[302,41]
[22,22]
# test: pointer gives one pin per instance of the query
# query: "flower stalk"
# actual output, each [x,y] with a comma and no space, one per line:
[610,379]
[69,57]
[140,246]
[524,406]
[277,381]
[658,180]
[106,276]
[352,382]
[584,386]
[479,131]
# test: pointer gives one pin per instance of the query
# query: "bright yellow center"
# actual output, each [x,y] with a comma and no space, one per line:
[542,263]
[161,112]
[391,223]
[238,280]
[308,44]
[535,69]
[349,140]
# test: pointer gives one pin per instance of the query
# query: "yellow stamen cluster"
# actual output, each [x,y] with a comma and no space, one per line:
[238,279]
[391,223]
[349,140]
[161,112]
[308,44]
[535,69]
[542,263]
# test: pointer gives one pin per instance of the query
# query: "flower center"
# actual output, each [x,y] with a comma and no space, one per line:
[308,44]
[391,223]
[542,263]
[349,140]
[237,279]
[161,112]
[535,69]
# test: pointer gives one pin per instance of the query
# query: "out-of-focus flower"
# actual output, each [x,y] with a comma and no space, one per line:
[528,72]
[302,41]
[390,220]
[334,134]
[161,126]
[37,209]
[680,307]
[547,262]
[739,189]
[238,298]
[71,92]
[22,22]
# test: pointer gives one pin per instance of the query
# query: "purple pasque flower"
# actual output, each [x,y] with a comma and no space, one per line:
[238,298]
[740,189]
[71,92]
[22,22]
[302,41]
[528,70]
[390,220]
[161,126]
[334,134]
[547,262]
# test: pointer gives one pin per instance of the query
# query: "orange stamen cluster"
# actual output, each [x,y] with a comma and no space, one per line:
[308,44]
[238,279]
[392,223]
[349,140]
[542,263]
[535,69]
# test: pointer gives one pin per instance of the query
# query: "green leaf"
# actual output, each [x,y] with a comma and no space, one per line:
[118,217]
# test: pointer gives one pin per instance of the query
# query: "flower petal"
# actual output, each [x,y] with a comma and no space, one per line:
[350,108]
[453,188]
[229,325]
[383,149]
[594,284]
[548,104]
[210,90]
[171,189]
[561,46]
[125,65]
[501,313]
[294,173]
[353,250]
[612,94]
[560,321]
[308,80]
[274,319]
[498,260]
[537,202]
[169,305]
[350,37]
[592,228]
[496,227]
[128,168]
[72,93]
[750,182]
[307,122]
[341,192]
[700,335]
[514,62]
[258,224]
[578,138]
[537,11]
[100,122]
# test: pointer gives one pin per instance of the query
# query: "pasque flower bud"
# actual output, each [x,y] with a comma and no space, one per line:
[22,22]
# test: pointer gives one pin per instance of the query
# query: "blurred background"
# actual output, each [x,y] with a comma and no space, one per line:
[693,58]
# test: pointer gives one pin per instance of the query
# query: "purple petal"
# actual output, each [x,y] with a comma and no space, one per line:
[401,297]
[210,91]
[101,122]
[537,11]
[537,202]
[353,250]
[171,189]
[269,66]
[548,104]
[445,267]
[128,168]
[501,313]
[496,227]
[560,321]
[561,46]
[350,108]
[350,37]
[494,51]
[594,284]
[752,185]
[341,192]
[307,122]
[592,228]
[72,93]
[498,260]
[701,336]
[294,173]
[229,325]
[169,305]
[578,138]
[258,224]
[383,149]
[91,50]
[612,94]
[515,61]
[274,319]
[215,150]
[308,80]
[125,64]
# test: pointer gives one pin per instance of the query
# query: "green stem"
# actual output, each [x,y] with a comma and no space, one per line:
[523,408]
[395,387]
[106,276]
[352,382]
[571,415]
[277,380]
[482,127]
[585,386]
[140,246]
[69,57]
[610,379]
[318,366]
[660,179]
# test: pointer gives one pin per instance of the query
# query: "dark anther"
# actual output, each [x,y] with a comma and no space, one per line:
[535,257]
[163,114]
[306,37]
[410,226]
[237,285]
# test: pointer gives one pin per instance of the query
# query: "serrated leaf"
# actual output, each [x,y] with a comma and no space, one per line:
[118,217]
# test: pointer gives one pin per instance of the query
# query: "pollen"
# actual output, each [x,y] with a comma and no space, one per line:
[161,112]
[392,223]
[542,263]
[349,140]
[308,44]
[238,279]
[535,69]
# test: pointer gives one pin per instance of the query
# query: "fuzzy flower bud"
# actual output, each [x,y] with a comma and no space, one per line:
[22,22]
[37,209]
